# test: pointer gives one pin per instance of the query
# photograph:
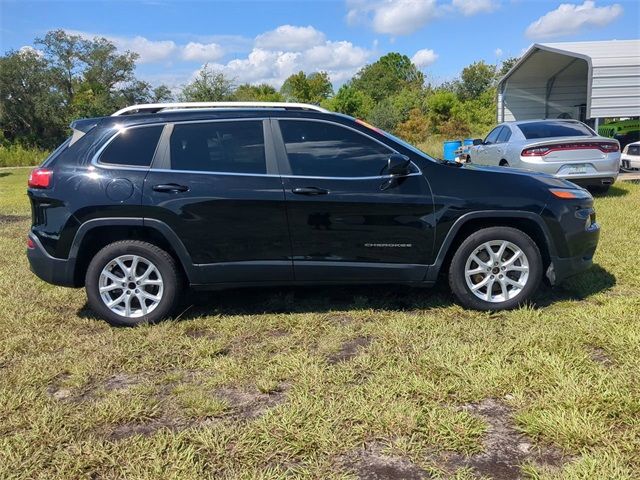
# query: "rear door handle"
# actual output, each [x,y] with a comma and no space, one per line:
[170,188]
[310,191]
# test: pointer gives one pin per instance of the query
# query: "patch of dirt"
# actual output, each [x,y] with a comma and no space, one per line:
[248,404]
[146,429]
[371,464]
[505,449]
[599,355]
[340,318]
[349,350]
[7,219]
[119,381]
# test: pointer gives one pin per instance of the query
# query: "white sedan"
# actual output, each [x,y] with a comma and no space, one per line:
[630,158]
[565,148]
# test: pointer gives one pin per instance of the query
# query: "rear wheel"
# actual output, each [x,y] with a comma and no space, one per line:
[495,268]
[132,282]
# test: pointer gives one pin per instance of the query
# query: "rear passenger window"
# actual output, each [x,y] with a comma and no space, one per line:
[505,135]
[235,147]
[133,147]
[321,149]
[493,136]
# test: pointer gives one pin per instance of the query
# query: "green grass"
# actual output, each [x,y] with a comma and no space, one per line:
[324,382]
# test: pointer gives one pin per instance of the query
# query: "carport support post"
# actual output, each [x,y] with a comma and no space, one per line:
[596,124]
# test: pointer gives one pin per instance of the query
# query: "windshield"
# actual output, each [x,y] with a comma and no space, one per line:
[554,129]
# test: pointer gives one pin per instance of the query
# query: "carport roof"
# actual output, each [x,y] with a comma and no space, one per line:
[613,69]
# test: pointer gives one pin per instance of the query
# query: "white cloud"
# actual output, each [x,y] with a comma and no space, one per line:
[498,52]
[291,38]
[201,52]
[423,58]
[393,17]
[150,51]
[341,60]
[473,7]
[569,19]
[29,49]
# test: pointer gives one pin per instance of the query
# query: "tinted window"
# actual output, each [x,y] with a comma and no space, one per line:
[634,150]
[554,129]
[493,135]
[134,146]
[505,135]
[236,147]
[322,149]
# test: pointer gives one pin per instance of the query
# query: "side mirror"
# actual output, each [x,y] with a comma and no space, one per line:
[477,141]
[398,165]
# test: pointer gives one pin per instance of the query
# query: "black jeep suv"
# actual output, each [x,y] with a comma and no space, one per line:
[138,205]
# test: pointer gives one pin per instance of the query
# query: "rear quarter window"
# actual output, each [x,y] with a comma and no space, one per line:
[132,147]
[554,129]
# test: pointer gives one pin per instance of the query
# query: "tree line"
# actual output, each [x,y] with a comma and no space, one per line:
[67,77]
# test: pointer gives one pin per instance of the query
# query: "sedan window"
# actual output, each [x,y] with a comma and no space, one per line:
[493,136]
[549,129]
[504,135]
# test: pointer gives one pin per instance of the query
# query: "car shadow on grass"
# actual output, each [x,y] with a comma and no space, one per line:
[325,299]
[613,191]
[579,287]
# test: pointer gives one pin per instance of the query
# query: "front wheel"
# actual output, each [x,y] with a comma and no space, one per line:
[495,268]
[132,282]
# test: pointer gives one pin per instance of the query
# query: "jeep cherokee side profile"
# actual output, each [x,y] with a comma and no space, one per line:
[137,206]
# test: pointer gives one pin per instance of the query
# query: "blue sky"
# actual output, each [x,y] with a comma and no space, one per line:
[266,41]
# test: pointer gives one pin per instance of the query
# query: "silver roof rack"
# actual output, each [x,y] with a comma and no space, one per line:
[159,107]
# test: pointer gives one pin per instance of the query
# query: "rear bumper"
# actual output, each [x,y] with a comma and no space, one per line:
[595,172]
[57,271]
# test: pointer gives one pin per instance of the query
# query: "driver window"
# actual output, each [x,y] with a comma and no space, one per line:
[321,149]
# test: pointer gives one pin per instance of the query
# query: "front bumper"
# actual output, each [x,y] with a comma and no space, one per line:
[57,271]
[561,268]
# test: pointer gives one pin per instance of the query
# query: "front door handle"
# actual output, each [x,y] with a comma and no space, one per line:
[170,188]
[310,191]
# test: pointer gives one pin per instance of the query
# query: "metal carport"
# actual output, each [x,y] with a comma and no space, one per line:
[580,80]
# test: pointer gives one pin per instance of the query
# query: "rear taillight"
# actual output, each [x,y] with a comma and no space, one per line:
[30,243]
[40,178]
[606,147]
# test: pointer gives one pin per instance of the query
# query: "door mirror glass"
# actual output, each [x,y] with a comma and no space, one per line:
[398,165]
[477,141]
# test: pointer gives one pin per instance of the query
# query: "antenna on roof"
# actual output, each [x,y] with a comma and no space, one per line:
[160,107]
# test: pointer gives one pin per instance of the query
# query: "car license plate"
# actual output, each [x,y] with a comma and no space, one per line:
[577,169]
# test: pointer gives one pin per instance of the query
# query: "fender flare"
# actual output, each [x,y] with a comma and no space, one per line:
[434,270]
[157,225]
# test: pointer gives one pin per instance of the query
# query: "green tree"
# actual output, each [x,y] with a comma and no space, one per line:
[390,74]
[30,110]
[257,93]
[208,86]
[475,79]
[506,65]
[161,94]
[350,101]
[311,88]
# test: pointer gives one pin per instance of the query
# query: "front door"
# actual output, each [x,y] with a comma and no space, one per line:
[218,189]
[348,220]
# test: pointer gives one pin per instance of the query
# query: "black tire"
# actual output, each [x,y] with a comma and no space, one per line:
[457,279]
[165,265]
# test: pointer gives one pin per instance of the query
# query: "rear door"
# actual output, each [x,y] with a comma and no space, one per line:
[488,150]
[216,185]
[348,222]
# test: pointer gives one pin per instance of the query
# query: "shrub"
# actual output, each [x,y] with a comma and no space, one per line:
[19,156]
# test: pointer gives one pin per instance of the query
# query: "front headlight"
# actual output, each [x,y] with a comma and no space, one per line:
[570,193]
